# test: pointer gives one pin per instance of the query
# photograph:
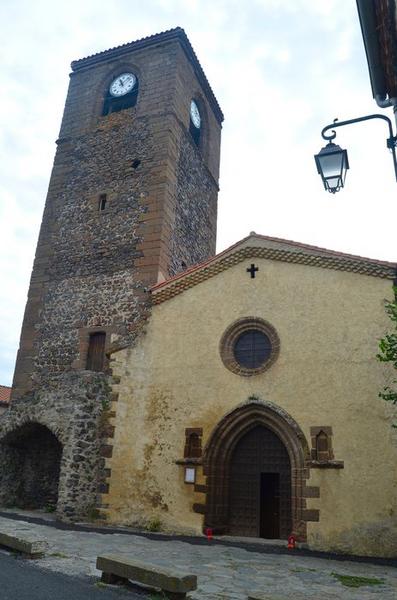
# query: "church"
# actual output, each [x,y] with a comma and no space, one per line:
[158,383]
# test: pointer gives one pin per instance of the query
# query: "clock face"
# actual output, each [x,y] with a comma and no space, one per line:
[195,114]
[123,84]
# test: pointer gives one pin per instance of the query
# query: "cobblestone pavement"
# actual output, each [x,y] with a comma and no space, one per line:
[224,572]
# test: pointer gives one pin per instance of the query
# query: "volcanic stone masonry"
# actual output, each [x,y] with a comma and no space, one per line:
[132,200]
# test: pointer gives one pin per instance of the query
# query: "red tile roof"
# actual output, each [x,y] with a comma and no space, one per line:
[5,393]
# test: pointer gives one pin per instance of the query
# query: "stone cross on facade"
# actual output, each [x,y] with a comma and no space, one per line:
[252,270]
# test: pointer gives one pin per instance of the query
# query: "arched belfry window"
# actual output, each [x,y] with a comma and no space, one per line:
[122,93]
[196,122]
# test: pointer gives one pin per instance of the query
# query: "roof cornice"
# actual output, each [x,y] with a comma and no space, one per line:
[327,260]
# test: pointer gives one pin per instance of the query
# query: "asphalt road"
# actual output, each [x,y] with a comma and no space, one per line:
[22,580]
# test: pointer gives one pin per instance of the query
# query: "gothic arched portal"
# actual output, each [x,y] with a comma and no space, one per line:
[255,448]
[31,458]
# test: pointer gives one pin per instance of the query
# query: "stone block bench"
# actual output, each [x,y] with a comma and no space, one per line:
[28,547]
[173,583]
[263,596]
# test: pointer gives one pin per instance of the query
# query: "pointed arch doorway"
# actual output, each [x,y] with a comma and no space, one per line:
[255,467]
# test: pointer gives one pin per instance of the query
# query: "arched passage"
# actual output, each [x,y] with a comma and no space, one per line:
[254,448]
[31,457]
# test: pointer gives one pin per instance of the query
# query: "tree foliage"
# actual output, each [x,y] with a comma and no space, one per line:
[388,350]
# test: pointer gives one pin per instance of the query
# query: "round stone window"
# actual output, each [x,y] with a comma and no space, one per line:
[249,346]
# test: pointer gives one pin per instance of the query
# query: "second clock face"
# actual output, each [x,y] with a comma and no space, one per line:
[195,114]
[123,84]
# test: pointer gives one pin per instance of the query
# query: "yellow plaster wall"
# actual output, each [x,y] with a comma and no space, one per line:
[326,374]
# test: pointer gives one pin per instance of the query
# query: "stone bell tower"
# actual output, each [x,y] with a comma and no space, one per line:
[132,200]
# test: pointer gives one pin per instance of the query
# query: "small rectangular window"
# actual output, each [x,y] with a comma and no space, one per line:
[96,351]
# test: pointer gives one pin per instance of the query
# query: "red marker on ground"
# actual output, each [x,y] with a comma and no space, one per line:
[291,542]
[209,533]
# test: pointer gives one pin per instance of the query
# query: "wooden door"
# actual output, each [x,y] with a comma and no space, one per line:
[96,351]
[260,486]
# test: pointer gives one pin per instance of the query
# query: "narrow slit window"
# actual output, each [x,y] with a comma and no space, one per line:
[96,351]
[102,202]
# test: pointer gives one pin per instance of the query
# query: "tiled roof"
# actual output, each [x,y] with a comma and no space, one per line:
[5,393]
[171,34]
[261,246]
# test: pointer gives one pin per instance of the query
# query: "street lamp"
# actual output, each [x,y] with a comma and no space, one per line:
[332,162]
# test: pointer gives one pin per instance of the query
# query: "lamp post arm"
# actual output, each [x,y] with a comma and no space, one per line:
[391,141]
[337,123]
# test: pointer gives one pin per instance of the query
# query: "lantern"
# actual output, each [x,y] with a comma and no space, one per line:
[332,164]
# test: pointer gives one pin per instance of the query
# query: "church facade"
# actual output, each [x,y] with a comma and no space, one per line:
[159,383]
[250,403]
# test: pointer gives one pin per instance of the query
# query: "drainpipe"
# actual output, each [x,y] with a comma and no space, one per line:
[383,102]
[386,102]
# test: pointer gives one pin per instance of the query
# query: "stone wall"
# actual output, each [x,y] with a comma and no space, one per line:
[85,258]
[73,409]
[92,266]
[194,232]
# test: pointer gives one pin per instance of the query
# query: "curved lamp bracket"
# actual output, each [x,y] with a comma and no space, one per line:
[391,140]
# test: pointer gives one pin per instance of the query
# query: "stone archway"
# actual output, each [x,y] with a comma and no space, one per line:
[31,458]
[219,451]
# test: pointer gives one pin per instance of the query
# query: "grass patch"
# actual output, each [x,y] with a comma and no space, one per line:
[154,525]
[93,514]
[59,555]
[356,582]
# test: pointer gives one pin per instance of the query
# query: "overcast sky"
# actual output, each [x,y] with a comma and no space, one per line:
[281,70]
